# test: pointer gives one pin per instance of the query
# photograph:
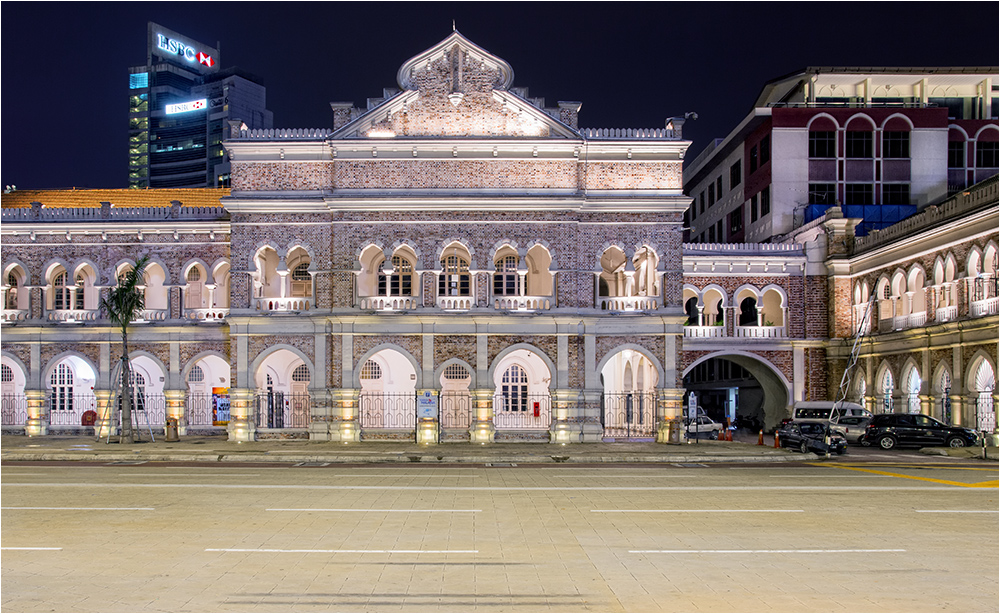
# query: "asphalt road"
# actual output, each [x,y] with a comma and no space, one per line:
[905,534]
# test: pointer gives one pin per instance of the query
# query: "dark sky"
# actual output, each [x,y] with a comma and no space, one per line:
[64,76]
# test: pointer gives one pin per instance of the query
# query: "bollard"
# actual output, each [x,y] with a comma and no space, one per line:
[170,430]
[760,438]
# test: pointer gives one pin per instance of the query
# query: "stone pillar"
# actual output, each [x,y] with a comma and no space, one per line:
[103,406]
[320,414]
[566,424]
[241,425]
[669,414]
[591,429]
[482,429]
[344,425]
[37,424]
[176,408]
[428,426]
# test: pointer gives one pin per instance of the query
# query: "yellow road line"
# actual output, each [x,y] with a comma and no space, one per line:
[988,484]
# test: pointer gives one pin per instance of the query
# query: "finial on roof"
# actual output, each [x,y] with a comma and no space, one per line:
[453,28]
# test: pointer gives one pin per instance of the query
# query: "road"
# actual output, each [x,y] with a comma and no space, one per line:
[908,534]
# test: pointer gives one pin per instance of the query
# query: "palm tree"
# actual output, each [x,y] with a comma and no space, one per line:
[123,304]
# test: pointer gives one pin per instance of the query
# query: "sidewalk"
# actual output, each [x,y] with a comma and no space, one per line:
[218,449]
[201,449]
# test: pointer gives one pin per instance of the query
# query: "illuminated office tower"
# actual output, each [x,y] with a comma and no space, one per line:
[180,104]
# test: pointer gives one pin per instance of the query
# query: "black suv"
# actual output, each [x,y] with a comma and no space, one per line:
[889,430]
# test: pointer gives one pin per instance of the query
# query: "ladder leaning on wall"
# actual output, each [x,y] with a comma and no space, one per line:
[859,334]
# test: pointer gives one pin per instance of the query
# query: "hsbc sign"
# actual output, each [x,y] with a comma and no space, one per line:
[188,52]
[184,107]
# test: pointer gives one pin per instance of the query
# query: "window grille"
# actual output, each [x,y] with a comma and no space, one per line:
[301,272]
[514,388]
[300,374]
[505,280]
[371,370]
[194,274]
[6,374]
[196,374]
[455,372]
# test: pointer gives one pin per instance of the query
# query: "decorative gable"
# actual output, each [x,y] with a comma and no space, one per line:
[455,89]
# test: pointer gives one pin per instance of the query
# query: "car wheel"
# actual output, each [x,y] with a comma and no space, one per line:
[841,451]
[803,448]
[956,442]
[865,443]
[715,434]
[887,442]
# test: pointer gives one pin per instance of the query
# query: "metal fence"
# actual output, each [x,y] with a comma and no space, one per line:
[281,410]
[522,412]
[203,409]
[81,410]
[388,410]
[455,409]
[13,410]
[629,414]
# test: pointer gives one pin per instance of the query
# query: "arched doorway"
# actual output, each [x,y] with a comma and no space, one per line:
[456,402]
[521,400]
[13,405]
[739,389]
[628,405]
[70,387]
[282,398]
[208,392]
[388,400]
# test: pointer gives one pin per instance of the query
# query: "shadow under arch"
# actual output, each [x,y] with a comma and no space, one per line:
[777,390]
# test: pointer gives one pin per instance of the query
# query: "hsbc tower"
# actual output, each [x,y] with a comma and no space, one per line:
[180,105]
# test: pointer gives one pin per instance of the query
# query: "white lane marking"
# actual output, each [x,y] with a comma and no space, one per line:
[854,488]
[698,511]
[399,475]
[840,475]
[802,551]
[643,477]
[191,475]
[343,551]
[278,509]
[957,511]
[30,548]
[105,509]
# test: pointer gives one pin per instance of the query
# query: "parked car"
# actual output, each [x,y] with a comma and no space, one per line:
[852,428]
[704,424]
[811,437]
[890,430]
[828,412]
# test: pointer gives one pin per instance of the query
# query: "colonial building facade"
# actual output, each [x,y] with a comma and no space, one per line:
[457,262]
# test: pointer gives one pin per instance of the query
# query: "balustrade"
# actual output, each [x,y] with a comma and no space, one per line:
[629,303]
[704,332]
[455,303]
[282,305]
[13,315]
[72,316]
[522,303]
[946,314]
[759,332]
[388,303]
[207,315]
[522,412]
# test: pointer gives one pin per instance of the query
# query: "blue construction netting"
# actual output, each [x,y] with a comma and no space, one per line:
[873,216]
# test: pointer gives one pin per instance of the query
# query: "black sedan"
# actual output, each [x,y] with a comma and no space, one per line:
[811,437]
[890,430]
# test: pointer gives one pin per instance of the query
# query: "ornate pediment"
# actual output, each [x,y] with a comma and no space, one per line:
[455,89]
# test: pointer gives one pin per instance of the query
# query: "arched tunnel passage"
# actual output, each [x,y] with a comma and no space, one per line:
[743,388]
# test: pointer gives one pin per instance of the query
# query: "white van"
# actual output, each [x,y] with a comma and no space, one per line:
[829,412]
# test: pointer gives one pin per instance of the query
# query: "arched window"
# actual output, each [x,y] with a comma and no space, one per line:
[514,389]
[945,387]
[194,274]
[506,281]
[748,312]
[371,370]
[887,387]
[691,309]
[913,392]
[61,295]
[454,279]
[300,374]
[196,374]
[986,417]
[78,302]
[301,280]
[400,283]
[61,388]
[12,289]
[455,372]
[6,374]
[862,392]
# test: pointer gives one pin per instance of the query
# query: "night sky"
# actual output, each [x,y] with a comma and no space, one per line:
[65,66]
